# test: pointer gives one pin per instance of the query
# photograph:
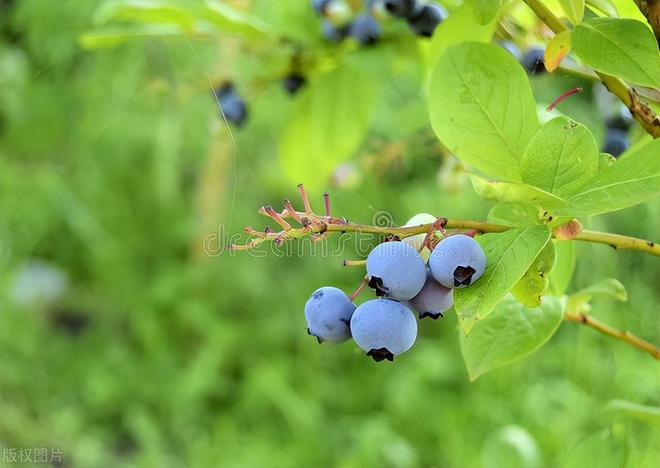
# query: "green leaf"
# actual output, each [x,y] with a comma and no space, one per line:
[574,9]
[460,26]
[534,284]
[629,181]
[561,158]
[484,11]
[112,36]
[604,6]
[512,192]
[558,47]
[562,272]
[508,256]
[512,214]
[234,21]
[610,287]
[605,160]
[328,122]
[621,47]
[510,332]
[145,11]
[482,108]
[644,412]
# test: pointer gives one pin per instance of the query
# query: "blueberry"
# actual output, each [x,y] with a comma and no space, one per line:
[232,105]
[383,328]
[320,6]
[396,270]
[433,300]
[328,312]
[622,120]
[533,60]
[293,82]
[424,23]
[403,8]
[365,29]
[457,261]
[616,142]
[332,33]
[510,47]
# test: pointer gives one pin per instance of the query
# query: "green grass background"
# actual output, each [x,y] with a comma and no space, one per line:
[114,166]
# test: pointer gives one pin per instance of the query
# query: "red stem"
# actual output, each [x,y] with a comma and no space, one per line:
[563,96]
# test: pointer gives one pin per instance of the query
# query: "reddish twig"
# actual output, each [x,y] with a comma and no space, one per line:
[563,96]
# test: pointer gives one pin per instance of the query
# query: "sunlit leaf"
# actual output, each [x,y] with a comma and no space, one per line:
[621,47]
[531,287]
[629,181]
[509,333]
[562,272]
[484,11]
[561,158]
[558,47]
[482,108]
[574,9]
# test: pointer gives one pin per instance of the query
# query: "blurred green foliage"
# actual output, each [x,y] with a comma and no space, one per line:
[137,349]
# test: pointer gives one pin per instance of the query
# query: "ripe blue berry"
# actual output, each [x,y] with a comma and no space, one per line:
[293,82]
[433,300]
[457,261]
[320,6]
[616,142]
[232,105]
[332,33]
[425,22]
[328,312]
[383,328]
[533,60]
[396,270]
[365,29]
[403,8]
[622,120]
[510,47]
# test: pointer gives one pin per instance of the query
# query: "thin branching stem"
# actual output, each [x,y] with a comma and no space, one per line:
[612,332]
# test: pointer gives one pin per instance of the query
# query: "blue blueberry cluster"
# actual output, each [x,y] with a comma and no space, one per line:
[386,326]
[365,28]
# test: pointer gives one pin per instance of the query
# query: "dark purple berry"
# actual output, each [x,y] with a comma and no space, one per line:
[293,82]
[616,142]
[533,60]
[430,16]
[365,29]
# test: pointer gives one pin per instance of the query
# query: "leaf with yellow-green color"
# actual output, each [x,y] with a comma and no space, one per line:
[509,333]
[482,108]
[513,192]
[574,9]
[534,284]
[558,47]
[562,272]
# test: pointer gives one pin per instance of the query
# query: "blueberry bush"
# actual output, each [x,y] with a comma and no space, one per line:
[519,139]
